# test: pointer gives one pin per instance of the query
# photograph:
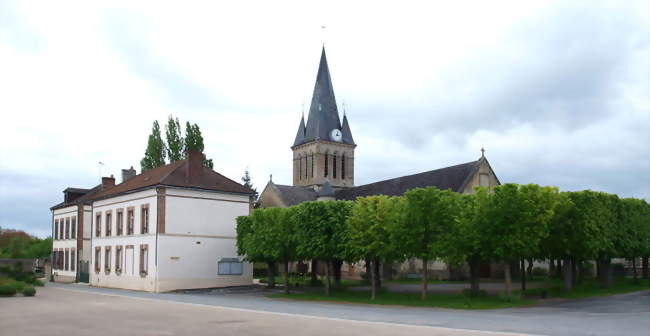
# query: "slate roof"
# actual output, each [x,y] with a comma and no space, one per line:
[86,198]
[326,190]
[454,178]
[175,174]
[291,195]
[323,113]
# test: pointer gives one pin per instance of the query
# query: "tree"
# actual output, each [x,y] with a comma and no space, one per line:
[194,141]
[249,184]
[255,241]
[175,142]
[467,241]
[154,155]
[517,220]
[371,223]
[429,214]
[321,232]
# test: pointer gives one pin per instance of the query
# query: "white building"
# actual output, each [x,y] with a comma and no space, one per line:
[171,227]
[71,233]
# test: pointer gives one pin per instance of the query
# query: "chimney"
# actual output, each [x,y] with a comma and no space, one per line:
[108,182]
[127,174]
[194,166]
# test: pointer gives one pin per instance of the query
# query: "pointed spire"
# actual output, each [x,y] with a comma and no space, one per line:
[346,132]
[300,135]
[323,113]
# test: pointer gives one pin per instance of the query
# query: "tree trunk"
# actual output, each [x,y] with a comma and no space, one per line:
[605,269]
[373,277]
[474,276]
[336,265]
[523,274]
[314,272]
[574,269]
[328,289]
[636,279]
[376,269]
[508,278]
[425,265]
[568,274]
[551,268]
[529,269]
[645,268]
[286,277]
[271,274]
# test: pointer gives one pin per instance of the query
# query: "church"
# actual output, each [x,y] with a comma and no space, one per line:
[323,165]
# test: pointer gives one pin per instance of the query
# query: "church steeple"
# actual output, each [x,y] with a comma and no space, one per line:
[323,115]
[323,149]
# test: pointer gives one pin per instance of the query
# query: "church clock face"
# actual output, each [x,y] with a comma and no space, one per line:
[336,135]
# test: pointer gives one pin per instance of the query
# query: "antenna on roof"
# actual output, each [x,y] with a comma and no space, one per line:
[101,165]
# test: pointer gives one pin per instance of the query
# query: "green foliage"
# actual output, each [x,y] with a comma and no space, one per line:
[194,141]
[154,155]
[249,184]
[17,244]
[371,224]
[321,230]
[7,289]
[29,291]
[175,143]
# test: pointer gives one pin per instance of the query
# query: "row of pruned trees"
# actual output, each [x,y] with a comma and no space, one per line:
[511,224]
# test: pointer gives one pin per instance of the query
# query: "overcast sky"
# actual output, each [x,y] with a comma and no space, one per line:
[558,93]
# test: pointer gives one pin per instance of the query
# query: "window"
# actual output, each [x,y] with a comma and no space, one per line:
[343,166]
[56,229]
[73,260]
[334,166]
[98,256]
[144,219]
[312,164]
[61,236]
[61,255]
[73,229]
[484,180]
[129,221]
[144,259]
[109,223]
[54,259]
[120,222]
[107,259]
[66,265]
[98,224]
[118,260]
[326,163]
[230,266]
[67,228]
[305,166]
[128,259]
[300,167]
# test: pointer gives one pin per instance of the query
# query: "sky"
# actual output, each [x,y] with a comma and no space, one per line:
[558,93]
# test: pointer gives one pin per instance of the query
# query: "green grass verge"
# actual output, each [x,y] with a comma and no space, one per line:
[305,281]
[591,288]
[456,301]
[415,281]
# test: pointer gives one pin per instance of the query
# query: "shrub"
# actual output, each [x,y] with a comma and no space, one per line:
[38,283]
[468,293]
[7,290]
[29,291]
[17,285]
[539,271]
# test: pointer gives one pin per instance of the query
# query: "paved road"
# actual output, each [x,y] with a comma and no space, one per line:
[627,314]
[61,311]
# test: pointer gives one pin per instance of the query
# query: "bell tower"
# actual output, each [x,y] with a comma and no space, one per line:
[323,149]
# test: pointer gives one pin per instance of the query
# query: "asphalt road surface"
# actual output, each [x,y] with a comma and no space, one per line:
[82,310]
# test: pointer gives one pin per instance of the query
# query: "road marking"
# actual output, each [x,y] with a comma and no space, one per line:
[486,332]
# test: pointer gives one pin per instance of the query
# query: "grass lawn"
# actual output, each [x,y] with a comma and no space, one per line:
[416,281]
[591,288]
[456,301]
[305,281]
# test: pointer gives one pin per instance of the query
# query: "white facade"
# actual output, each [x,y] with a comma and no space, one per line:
[69,244]
[188,233]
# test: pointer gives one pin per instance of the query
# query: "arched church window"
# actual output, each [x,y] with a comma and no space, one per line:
[306,167]
[343,166]
[312,165]
[334,166]
[300,168]
[326,164]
